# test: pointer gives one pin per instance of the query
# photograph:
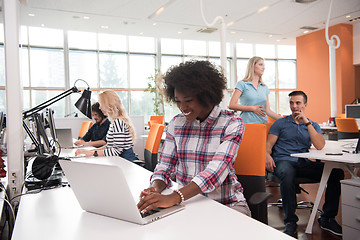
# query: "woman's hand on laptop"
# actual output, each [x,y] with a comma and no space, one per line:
[151,199]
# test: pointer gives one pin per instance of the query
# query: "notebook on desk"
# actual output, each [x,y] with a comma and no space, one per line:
[103,189]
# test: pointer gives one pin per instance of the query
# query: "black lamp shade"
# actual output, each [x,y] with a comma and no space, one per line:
[84,103]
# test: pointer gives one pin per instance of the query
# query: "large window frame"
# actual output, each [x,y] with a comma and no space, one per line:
[124,52]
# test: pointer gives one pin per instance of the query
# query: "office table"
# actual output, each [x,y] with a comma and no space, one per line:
[347,161]
[55,214]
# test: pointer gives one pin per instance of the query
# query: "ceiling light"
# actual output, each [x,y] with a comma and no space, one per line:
[304,1]
[278,40]
[104,27]
[154,24]
[270,36]
[179,32]
[232,32]
[160,9]
[241,39]
[230,23]
[354,19]
[31,14]
[141,33]
[262,9]
[43,25]
[306,31]
[86,17]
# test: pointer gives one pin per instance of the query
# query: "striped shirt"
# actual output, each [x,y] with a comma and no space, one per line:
[118,138]
[204,153]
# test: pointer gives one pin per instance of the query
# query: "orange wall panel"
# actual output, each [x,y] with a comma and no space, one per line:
[313,75]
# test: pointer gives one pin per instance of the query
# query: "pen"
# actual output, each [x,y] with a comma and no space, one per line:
[348,151]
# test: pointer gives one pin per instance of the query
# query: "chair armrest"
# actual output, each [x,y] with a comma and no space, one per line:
[259,197]
[139,162]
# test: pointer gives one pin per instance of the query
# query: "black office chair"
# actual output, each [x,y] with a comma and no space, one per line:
[298,181]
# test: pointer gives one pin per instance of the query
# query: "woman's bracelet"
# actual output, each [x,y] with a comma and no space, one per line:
[180,194]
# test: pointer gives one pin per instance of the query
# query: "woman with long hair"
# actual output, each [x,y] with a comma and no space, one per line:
[253,95]
[121,134]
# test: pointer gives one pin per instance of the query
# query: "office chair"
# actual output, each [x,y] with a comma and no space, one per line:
[341,115]
[250,170]
[271,120]
[152,147]
[156,119]
[347,128]
[84,128]
[268,126]
[298,181]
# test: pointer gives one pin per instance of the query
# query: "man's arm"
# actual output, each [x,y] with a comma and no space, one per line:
[271,140]
[316,138]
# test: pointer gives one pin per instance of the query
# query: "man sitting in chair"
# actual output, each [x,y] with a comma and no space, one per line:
[96,135]
[295,134]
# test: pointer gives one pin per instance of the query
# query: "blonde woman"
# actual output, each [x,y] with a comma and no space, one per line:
[120,136]
[253,95]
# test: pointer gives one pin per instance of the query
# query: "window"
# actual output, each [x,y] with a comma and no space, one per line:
[280,71]
[113,70]
[124,64]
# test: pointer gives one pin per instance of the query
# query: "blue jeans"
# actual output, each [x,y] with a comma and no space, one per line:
[286,171]
[129,154]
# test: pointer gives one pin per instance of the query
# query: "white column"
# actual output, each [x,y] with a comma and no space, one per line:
[14,128]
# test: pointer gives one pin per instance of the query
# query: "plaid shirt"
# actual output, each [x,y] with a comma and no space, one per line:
[204,153]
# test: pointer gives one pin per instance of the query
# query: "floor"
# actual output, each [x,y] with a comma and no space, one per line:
[275,214]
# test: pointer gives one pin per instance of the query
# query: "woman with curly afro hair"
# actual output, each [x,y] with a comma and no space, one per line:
[201,142]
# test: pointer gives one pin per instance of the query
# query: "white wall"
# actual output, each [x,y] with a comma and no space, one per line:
[356,43]
[138,123]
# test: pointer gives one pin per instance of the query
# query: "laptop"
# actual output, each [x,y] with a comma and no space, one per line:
[103,189]
[64,137]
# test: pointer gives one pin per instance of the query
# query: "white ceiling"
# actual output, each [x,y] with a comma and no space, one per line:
[283,19]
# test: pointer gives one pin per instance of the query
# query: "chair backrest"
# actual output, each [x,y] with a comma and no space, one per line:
[251,156]
[157,119]
[347,128]
[268,126]
[152,145]
[346,125]
[271,120]
[84,128]
[250,167]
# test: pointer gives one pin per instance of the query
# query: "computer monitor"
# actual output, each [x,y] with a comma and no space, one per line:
[352,110]
[51,122]
[45,146]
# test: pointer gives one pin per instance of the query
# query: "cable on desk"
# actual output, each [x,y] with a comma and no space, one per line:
[348,145]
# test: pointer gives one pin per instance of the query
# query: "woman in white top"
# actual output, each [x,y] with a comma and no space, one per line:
[253,95]
[121,135]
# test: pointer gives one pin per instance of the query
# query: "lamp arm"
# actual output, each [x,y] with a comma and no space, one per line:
[31,135]
[40,107]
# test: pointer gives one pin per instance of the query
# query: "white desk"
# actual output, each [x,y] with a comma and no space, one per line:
[346,161]
[55,214]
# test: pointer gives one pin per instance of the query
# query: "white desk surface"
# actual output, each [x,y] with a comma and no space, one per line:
[334,147]
[346,161]
[55,214]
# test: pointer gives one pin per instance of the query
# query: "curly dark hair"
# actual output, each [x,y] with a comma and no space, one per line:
[197,78]
[96,108]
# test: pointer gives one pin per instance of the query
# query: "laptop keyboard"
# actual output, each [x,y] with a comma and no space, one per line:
[145,214]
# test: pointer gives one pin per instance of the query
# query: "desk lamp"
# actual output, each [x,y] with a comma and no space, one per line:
[43,165]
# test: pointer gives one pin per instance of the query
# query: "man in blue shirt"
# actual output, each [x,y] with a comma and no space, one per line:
[96,135]
[295,134]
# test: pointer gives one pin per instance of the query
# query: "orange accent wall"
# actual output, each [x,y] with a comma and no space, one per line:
[313,75]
